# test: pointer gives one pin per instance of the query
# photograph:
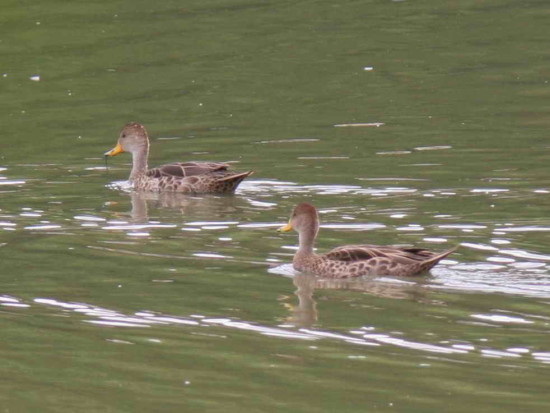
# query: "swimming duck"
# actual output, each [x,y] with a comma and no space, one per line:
[353,260]
[190,177]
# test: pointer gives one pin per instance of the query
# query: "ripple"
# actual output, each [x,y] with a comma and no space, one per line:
[260,225]
[89,218]
[432,148]
[262,204]
[359,125]
[363,336]
[527,265]
[57,303]
[125,186]
[324,157]
[116,323]
[30,214]
[97,168]
[501,260]
[423,164]
[298,140]
[519,350]
[498,318]
[138,226]
[4,181]
[287,188]
[365,227]
[209,255]
[286,270]
[462,226]
[139,234]
[542,356]
[42,227]
[478,246]
[498,354]
[411,227]
[468,347]
[7,299]
[392,179]
[211,223]
[524,254]
[431,348]
[12,302]
[435,240]
[523,229]
[489,190]
[492,278]
[499,241]
[394,153]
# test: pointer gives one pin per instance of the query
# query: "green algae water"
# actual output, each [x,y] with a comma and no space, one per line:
[404,122]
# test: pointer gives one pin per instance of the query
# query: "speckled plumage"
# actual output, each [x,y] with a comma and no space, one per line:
[192,177]
[354,260]
[184,177]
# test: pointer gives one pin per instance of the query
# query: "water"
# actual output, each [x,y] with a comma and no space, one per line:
[403,122]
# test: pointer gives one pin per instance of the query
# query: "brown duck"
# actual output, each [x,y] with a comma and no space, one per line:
[190,177]
[353,260]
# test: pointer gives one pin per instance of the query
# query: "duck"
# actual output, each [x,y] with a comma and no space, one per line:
[183,177]
[353,260]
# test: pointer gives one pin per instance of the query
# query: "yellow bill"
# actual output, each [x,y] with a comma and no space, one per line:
[115,151]
[286,228]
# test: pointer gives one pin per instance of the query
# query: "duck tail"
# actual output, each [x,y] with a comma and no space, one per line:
[238,177]
[432,261]
[232,181]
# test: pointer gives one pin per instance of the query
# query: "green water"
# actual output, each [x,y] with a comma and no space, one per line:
[119,302]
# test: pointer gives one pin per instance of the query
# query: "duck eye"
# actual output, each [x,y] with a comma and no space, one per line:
[123,135]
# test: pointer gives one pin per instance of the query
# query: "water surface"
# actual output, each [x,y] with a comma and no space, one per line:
[403,122]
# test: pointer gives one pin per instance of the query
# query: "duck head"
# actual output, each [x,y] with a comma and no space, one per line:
[304,218]
[133,138]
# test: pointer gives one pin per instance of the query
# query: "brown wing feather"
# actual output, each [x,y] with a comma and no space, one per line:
[186,169]
[351,253]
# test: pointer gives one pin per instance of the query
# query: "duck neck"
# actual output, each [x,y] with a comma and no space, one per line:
[306,239]
[139,162]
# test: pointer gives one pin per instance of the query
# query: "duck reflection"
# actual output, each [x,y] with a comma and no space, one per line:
[206,206]
[305,314]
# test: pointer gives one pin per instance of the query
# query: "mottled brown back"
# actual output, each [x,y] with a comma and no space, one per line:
[186,169]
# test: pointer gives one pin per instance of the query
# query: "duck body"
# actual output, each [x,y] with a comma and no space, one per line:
[183,177]
[354,260]
[191,177]
[358,260]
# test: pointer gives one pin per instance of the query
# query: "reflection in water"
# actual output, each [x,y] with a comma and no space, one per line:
[139,211]
[305,313]
[210,205]
[529,279]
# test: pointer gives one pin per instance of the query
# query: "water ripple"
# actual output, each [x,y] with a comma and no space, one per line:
[498,318]
[363,336]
